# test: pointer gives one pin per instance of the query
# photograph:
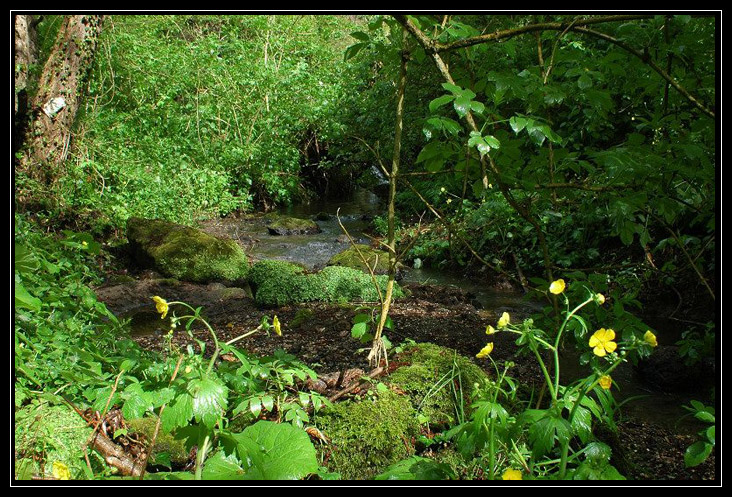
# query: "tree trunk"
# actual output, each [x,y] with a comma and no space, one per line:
[61,86]
[26,55]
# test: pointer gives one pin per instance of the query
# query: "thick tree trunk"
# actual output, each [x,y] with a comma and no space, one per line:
[54,107]
[26,55]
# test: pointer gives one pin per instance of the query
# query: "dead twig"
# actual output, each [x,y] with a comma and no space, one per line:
[373,374]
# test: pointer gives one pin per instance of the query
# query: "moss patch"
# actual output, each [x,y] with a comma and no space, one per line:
[278,283]
[368,435]
[378,260]
[186,253]
[45,434]
[285,225]
[164,443]
[439,380]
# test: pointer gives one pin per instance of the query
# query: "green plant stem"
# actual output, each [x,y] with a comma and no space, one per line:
[240,337]
[558,339]
[582,392]
[201,456]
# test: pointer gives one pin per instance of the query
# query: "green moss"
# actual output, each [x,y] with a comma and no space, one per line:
[164,443]
[369,435]
[278,283]
[378,260]
[439,380]
[186,253]
[284,225]
[45,434]
[344,284]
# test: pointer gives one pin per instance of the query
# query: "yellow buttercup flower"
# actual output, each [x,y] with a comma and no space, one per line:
[60,471]
[650,339]
[277,327]
[599,298]
[490,330]
[602,342]
[485,351]
[512,474]
[161,305]
[557,287]
[606,382]
[504,321]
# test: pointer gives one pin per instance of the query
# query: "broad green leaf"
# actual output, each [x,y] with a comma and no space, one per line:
[222,467]
[518,123]
[273,451]
[209,400]
[25,300]
[178,413]
[358,330]
[697,453]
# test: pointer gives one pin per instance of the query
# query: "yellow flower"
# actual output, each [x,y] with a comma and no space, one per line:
[602,342]
[512,474]
[485,351]
[504,321]
[449,200]
[277,328]
[650,339]
[599,298]
[161,305]
[606,382]
[60,471]
[557,287]
[442,190]
[490,330]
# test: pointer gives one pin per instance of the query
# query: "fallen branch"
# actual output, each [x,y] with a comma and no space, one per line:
[373,374]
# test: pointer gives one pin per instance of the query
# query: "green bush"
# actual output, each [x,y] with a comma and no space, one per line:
[278,283]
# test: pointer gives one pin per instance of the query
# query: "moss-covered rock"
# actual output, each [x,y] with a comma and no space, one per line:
[285,225]
[186,253]
[439,380]
[278,283]
[368,435]
[378,260]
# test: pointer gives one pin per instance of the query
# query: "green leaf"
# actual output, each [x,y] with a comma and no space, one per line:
[358,330]
[462,105]
[273,451]
[353,50]
[518,123]
[417,468]
[222,467]
[440,101]
[178,413]
[25,300]
[361,36]
[209,400]
[697,453]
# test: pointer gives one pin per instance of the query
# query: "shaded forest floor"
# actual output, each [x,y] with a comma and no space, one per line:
[319,335]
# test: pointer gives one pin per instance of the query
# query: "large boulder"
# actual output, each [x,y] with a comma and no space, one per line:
[285,225]
[186,253]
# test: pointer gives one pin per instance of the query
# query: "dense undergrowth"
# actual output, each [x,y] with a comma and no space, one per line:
[548,158]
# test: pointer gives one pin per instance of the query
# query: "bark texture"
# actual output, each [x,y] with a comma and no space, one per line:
[54,107]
